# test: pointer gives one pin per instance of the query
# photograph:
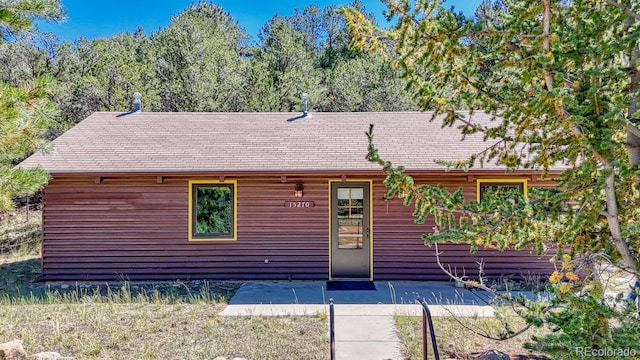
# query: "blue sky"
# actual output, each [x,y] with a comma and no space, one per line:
[98,18]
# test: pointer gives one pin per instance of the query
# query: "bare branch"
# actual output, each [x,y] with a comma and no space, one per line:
[480,284]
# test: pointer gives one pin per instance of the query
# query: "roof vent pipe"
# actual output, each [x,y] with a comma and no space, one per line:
[305,100]
[137,105]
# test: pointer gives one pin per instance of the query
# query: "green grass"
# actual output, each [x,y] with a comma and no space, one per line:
[141,320]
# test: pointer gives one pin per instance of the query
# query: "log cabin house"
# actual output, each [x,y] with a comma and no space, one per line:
[255,196]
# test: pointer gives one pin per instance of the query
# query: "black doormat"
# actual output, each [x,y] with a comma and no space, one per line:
[350,285]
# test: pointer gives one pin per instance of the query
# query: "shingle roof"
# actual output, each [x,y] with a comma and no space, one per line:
[194,142]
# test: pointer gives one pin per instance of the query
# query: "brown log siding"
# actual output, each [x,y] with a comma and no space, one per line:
[135,228]
[400,253]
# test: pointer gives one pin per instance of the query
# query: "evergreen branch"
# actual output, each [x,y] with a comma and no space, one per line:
[625,8]
[548,76]
[491,96]
[404,187]
[575,129]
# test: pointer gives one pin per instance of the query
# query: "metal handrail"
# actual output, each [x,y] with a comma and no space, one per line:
[332,335]
[426,320]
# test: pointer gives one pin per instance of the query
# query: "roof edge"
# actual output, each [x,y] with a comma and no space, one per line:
[347,172]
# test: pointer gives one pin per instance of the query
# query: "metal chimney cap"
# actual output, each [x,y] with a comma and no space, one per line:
[137,104]
[305,99]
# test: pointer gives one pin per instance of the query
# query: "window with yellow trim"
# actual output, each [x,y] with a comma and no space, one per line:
[500,186]
[212,207]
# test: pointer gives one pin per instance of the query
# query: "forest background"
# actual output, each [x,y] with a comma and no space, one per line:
[205,61]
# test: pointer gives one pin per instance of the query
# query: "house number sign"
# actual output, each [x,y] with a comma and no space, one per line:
[299,204]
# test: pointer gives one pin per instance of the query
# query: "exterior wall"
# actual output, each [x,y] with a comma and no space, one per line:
[400,252]
[134,228]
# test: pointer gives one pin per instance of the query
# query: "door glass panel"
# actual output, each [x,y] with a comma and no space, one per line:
[350,218]
[344,193]
[357,193]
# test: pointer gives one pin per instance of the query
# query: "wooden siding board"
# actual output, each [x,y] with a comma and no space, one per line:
[400,252]
[136,228]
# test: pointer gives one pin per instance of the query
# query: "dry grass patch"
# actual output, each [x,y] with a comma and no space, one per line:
[454,341]
[151,331]
[143,320]
[20,233]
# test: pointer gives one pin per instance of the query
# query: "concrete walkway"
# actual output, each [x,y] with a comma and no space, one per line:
[364,324]
[362,331]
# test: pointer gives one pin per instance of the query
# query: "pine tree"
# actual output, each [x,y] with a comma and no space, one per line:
[25,112]
[563,81]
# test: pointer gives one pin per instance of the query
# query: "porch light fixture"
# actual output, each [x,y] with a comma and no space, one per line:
[297,192]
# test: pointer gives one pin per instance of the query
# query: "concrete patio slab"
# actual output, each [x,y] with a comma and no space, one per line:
[364,324]
[387,292]
[355,310]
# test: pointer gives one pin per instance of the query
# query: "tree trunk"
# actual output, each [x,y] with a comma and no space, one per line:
[633,133]
[629,262]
